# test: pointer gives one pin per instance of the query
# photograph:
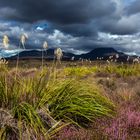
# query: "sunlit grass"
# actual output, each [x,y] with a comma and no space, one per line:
[80,71]
[125,70]
[39,103]
[64,101]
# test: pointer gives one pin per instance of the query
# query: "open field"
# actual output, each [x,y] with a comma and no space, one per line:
[69,101]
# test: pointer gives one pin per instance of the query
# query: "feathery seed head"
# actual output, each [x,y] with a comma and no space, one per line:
[110,57]
[5,41]
[58,53]
[136,60]
[73,58]
[3,62]
[128,58]
[45,45]
[117,56]
[23,39]
[108,61]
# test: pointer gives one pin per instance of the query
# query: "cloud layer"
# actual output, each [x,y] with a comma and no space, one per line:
[73,25]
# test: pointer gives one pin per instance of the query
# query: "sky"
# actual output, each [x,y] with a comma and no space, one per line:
[76,26]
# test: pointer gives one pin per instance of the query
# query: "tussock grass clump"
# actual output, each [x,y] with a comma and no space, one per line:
[40,106]
[78,103]
[29,115]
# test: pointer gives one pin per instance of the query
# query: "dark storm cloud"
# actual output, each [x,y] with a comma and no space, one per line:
[79,29]
[123,26]
[62,11]
[72,24]
[77,17]
[69,16]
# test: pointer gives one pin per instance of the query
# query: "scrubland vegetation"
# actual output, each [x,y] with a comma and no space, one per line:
[66,102]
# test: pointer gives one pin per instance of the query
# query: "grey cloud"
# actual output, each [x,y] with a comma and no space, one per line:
[133,8]
[62,11]
[72,24]
[121,26]
[70,16]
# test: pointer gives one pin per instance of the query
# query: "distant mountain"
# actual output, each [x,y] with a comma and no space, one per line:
[34,54]
[99,52]
[8,53]
[104,53]
[37,54]
[92,55]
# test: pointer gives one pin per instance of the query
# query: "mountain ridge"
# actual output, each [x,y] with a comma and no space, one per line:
[92,55]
